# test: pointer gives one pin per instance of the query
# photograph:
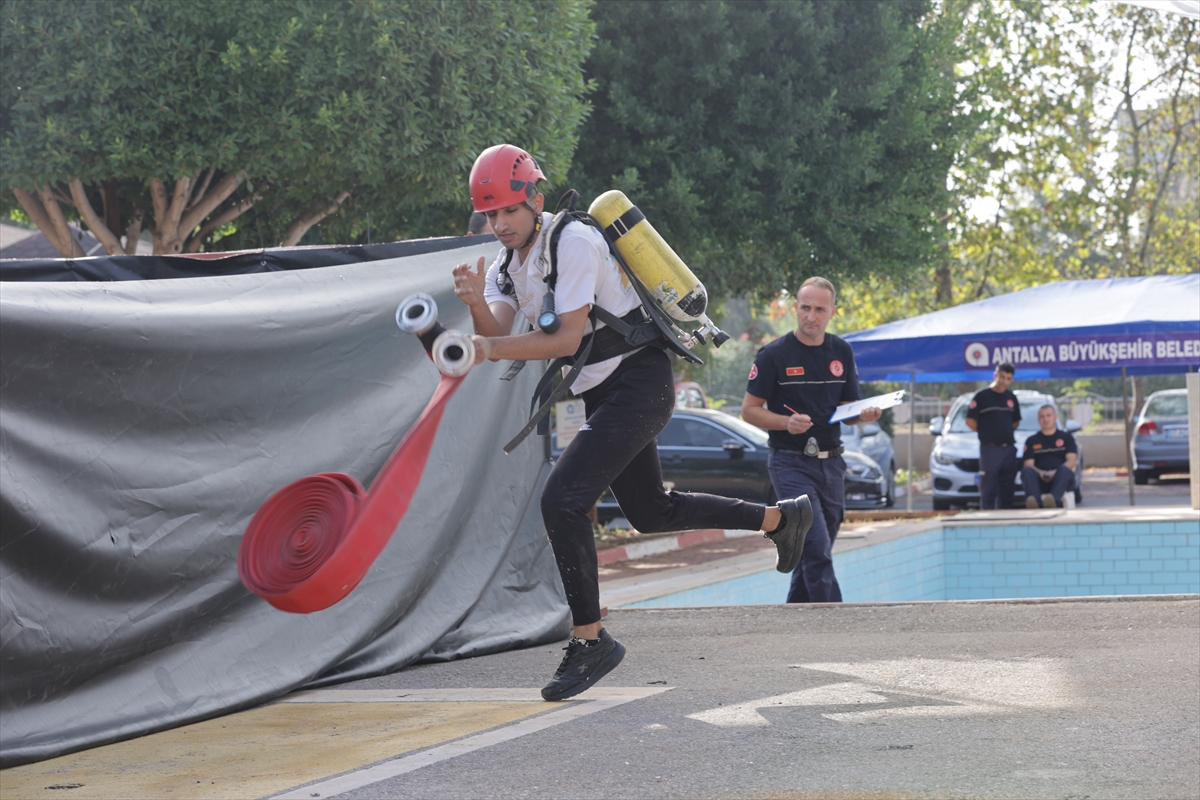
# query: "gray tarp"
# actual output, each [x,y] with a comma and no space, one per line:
[143,423]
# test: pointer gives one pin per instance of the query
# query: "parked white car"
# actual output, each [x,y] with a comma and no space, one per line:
[954,461]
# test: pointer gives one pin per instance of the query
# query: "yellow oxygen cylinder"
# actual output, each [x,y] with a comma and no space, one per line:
[656,265]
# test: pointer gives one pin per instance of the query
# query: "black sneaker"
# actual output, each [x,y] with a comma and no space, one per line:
[582,666]
[789,537]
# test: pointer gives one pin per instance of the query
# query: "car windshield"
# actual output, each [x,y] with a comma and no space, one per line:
[1167,405]
[1029,409]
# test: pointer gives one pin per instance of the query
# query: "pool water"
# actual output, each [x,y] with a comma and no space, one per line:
[973,562]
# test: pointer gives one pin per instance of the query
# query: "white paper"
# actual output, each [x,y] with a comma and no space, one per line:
[880,401]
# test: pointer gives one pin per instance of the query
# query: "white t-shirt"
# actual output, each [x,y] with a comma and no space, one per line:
[587,274]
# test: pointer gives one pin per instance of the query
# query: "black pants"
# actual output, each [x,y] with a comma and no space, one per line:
[617,448]
[997,475]
[1034,486]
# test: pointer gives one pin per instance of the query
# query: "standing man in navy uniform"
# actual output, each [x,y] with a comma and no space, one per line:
[994,414]
[796,384]
[1049,462]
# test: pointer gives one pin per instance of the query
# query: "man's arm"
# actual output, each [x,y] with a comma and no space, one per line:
[755,411]
[1072,460]
[1028,463]
[972,424]
[535,345]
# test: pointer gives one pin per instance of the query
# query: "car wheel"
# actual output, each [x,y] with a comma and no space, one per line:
[1142,476]
[891,490]
[941,505]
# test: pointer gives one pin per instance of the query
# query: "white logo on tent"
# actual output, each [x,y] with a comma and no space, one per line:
[977,354]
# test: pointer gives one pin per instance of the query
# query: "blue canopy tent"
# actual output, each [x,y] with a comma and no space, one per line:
[1069,329]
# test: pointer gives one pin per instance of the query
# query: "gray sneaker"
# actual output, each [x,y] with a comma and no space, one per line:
[582,666]
[789,538]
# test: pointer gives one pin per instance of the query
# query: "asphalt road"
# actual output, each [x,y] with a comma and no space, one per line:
[1090,699]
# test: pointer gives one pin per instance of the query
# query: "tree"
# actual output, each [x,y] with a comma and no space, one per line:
[771,140]
[1085,166]
[184,117]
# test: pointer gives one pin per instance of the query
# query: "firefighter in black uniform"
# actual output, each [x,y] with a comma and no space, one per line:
[1049,468]
[994,414]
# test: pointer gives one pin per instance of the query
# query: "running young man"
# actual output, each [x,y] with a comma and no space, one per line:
[628,400]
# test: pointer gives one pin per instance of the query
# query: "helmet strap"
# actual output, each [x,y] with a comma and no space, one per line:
[537,226]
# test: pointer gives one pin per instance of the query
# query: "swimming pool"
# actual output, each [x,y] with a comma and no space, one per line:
[962,559]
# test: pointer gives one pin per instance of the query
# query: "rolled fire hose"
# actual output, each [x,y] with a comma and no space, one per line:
[313,541]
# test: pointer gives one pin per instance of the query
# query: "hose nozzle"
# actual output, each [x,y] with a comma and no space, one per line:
[453,353]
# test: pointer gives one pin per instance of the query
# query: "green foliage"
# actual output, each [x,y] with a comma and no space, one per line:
[389,100]
[768,141]
[1085,165]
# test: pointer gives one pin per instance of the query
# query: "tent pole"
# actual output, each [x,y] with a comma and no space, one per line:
[912,424]
[1128,435]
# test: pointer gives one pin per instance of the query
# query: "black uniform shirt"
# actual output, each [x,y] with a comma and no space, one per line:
[995,412]
[812,380]
[1049,452]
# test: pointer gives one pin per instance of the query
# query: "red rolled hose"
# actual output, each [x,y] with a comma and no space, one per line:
[313,541]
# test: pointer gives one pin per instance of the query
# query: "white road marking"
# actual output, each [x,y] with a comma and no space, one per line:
[951,689]
[746,714]
[598,699]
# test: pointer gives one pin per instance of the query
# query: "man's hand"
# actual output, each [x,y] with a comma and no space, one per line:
[469,284]
[799,423]
[483,347]
[870,414]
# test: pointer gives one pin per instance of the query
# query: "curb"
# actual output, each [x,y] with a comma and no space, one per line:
[667,544]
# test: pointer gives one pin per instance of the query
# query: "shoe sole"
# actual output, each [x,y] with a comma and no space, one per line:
[606,665]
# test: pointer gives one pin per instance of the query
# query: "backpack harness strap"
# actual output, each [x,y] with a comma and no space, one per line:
[623,335]
[645,326]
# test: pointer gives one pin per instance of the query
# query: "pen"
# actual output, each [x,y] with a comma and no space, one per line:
[789,408]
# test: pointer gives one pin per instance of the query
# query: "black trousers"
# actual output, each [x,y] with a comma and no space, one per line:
[617,448]
[997,475]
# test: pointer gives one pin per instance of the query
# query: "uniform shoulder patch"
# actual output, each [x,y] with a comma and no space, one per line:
[753,372]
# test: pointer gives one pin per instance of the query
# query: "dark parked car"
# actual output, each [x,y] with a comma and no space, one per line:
[709,451]
[1161,441]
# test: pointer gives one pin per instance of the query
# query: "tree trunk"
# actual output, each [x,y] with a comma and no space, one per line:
[1139,397]
[84,206]
[112,206]
[300,226]
[133,232]
[228,215]
[167,214]
[47,215]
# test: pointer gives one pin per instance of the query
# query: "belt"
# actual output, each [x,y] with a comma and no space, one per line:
[998,444]
[837,451]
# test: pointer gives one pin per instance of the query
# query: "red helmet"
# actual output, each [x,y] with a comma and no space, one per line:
[503,176]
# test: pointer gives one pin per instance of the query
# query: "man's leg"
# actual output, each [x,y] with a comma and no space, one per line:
[793,474]
[1031,482]
[1063,482]
[989,476]
[1008,476]
[833,505]
[597,456]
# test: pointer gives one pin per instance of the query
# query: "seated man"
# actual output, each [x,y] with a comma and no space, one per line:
[1049,469]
